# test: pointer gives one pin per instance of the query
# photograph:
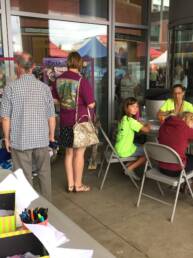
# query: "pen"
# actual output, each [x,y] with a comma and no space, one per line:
[32,215]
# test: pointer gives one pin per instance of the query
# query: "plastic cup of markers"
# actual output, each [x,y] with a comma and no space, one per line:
[44,223]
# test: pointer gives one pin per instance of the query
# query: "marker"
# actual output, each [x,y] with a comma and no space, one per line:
[43,212]
[40,217]
[32,215]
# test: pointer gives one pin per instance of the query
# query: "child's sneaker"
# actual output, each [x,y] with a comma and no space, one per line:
[133,175]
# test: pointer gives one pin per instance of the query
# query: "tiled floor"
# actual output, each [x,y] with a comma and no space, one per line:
[111,217]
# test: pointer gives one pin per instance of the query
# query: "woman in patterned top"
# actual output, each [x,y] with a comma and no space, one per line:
[65,92]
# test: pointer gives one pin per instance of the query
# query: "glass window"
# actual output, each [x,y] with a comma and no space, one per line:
[130,65]
[159,43]
[3,63]
[1,40]
[50,42]
[182,59]
[94,8]
[131,11]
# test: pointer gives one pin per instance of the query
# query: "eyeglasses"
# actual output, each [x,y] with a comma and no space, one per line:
[178,93]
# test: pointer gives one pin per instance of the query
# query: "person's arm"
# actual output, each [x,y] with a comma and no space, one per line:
[146,128]
[6,132]
[161,115]
[92,105]
[86,92]
[56,101]
[55,94]
[188,107]
[52,126]
[165,110]
[5,113]
[51,115]
[139,127]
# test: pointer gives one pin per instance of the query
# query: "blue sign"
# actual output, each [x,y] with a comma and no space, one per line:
[54,62]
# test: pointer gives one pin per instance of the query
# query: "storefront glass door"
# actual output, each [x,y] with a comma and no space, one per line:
[50,41]
[130,65]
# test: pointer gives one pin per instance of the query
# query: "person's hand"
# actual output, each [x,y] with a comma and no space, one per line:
[148,125]
[163,115]
[161,118]
[171,112]
[7,144]
[54,145]
[146,128]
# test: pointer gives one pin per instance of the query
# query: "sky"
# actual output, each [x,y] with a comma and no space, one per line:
[68,33]
[61,33]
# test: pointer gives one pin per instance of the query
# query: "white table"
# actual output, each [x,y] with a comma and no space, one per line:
[78,237]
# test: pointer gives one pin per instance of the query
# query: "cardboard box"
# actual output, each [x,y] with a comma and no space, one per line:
[20,242]
[7,202]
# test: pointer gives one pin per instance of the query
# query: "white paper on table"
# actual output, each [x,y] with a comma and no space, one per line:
[9,183]
[17,182]
[48,235]
[70,253]
[25,191]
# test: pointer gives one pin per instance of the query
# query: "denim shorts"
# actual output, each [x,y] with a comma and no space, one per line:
[139,151]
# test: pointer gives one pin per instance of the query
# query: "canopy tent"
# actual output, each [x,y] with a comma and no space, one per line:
[55,51]
[161,59]
[154,53]
[93,48]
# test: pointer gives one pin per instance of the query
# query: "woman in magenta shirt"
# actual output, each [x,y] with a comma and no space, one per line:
[65,91]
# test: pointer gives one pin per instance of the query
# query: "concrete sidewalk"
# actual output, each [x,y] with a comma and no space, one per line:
[110,216]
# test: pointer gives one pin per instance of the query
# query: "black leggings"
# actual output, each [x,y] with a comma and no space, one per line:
[188,168]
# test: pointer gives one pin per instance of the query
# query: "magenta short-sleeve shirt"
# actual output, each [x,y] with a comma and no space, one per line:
[65,90]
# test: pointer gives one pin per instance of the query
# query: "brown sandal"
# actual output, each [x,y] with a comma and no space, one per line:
[82,188]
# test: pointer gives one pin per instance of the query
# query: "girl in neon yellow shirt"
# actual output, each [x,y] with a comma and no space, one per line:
[127,127]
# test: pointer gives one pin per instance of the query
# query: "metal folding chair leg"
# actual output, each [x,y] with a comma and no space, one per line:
[142,184]
[189,187]
[101,167]
[175,202]
[102,163]
[160,188]
[105,175]
[114,158]
[141,190]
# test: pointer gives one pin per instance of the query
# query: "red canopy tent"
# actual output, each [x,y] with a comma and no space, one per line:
[154,53]
[56,51]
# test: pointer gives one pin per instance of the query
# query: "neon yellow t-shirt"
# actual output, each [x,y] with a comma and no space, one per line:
[124,145]
[168,105]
